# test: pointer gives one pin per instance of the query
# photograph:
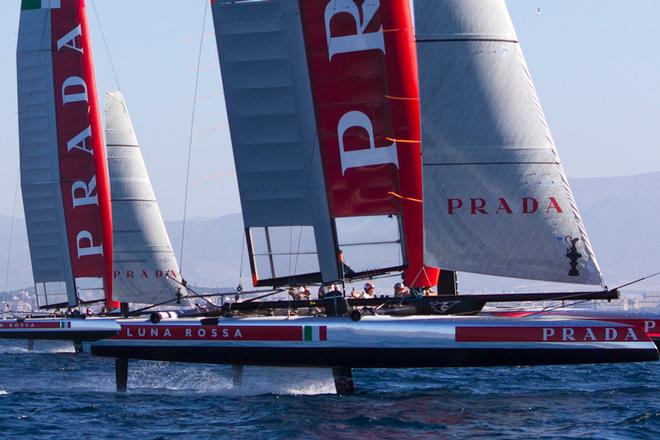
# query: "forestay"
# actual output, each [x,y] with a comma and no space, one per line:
[497,200]
[145,270]
[63,166]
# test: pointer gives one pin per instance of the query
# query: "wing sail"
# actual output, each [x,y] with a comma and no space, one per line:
[63,165]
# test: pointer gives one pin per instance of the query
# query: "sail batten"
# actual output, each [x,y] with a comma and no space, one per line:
[497,200]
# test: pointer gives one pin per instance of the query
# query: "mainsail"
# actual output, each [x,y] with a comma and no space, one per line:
[496,198]
[145,270]
[64,176]
[312,132]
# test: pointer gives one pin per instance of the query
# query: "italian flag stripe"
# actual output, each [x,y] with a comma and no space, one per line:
[315,333]
[65,324]
[40,4]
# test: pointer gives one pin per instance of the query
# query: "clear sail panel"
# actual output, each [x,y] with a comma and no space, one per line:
[284,252]
[370,243]
[90,289]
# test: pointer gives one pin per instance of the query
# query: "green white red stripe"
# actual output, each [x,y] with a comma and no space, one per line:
[313,333]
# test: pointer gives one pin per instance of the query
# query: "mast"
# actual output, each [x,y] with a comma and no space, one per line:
[403,96]
[64,175]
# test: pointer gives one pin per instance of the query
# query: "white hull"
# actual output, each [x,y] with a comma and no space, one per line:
[379,342]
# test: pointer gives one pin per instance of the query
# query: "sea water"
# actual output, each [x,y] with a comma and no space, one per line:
[52,393]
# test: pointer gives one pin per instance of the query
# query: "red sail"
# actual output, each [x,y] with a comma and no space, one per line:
[403,94]
[83,166]
[363,68]
[346,58]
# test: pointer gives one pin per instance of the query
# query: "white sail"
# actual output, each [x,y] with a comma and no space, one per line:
[496,197]
[144,264]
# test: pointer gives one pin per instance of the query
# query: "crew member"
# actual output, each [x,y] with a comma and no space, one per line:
[369,290]
[400,290]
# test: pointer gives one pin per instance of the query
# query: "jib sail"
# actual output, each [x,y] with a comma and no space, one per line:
[145,270]
[497,200]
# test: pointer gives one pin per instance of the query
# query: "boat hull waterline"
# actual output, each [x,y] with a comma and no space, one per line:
[379,342]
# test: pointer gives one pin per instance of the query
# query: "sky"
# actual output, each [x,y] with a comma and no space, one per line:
[595,64]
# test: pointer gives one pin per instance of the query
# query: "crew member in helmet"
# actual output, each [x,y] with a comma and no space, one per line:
[401,290]
[369,290]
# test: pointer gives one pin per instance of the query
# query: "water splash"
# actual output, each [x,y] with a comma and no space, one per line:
[40,347]
[150,376]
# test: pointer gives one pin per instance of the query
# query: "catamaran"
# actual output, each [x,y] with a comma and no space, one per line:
[64,173]
[69,186]
[345,118]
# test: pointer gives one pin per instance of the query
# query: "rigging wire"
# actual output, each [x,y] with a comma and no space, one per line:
[308,178]
[637,281]
[105,44]
[240,272]
[11,237]
[190,140]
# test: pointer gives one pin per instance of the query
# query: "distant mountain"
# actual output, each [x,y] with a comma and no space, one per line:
[622,216]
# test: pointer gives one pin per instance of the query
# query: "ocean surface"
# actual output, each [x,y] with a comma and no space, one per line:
[52,393]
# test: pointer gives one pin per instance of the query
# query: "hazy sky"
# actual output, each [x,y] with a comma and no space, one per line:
[595,63]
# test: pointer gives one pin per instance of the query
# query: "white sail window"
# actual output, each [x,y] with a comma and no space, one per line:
[90,289]
[370,243]
[283,251]
[51,293]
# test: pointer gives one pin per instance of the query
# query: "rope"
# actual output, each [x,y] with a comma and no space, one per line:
[190,140]
[402,141]
[637,280]
[105,44]
[399,196]
[400,98]
[551,309]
